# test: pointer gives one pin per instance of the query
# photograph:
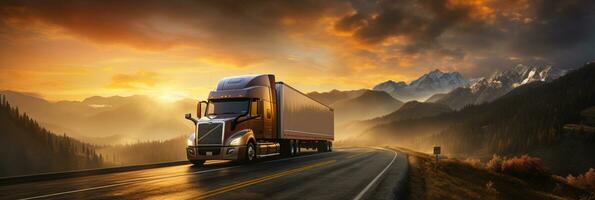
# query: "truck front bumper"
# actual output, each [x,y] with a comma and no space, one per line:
[215,152]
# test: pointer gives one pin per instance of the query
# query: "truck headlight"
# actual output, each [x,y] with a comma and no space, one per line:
[236,141]
[191,140]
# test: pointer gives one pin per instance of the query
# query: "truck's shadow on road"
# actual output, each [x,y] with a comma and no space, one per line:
[214,164]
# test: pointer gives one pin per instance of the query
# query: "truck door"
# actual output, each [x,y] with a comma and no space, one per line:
[267,111]
[256,124]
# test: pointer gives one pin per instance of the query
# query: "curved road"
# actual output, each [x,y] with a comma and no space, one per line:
[347,173]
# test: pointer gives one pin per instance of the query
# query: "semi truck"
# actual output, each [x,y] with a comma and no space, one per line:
[253,116]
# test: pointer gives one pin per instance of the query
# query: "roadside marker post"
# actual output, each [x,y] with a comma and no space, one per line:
[437,152]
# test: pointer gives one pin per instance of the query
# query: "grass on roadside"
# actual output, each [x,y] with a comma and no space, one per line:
[455,179]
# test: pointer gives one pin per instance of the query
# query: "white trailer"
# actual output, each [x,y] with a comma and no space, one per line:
[301,117]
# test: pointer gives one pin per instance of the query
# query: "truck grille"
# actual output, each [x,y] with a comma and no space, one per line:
[210,133]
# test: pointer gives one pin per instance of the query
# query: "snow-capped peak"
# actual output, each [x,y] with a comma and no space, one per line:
[426,85]
[437,79]
[520,75]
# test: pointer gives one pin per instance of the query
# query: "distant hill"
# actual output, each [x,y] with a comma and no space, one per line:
[108,120]
[413,110]
[355,105]
[435,97]
[368,105]
[409,110]
[28,148]
[529,119]
[456,99]
[334,96]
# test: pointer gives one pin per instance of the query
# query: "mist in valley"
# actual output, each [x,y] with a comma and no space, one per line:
[109,120]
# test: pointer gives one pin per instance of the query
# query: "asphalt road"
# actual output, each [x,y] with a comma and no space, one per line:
[347,173]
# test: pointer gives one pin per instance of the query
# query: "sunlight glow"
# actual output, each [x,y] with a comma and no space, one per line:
[171,97]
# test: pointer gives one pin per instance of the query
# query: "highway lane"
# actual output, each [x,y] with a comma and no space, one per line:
[347,173]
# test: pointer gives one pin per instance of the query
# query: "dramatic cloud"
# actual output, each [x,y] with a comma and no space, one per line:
[319,44]
[240,30]
[527,30]
[562,32]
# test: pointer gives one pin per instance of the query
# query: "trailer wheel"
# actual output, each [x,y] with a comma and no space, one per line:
[321,147]
[250,152]
[292,147]
[329,146]
[285,147]
[297,147]
[197,162]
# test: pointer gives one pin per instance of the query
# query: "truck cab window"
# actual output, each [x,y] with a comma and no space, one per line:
[228,107]
[254,108]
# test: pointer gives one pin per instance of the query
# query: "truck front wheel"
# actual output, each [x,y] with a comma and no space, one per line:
[250,152]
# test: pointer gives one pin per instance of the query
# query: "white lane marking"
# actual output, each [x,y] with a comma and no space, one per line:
[361,194]
[133,181]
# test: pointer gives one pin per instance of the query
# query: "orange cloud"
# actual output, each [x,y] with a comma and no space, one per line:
[138,80]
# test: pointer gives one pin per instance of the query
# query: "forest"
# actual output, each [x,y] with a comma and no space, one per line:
[28,148]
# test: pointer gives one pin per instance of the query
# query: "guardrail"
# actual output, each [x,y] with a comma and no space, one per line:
[86,172]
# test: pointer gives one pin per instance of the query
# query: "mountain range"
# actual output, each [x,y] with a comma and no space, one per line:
[425,86]
[529,119]
[457,93]
[498,84]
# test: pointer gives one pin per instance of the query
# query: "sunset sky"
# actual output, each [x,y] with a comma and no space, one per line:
[69,50]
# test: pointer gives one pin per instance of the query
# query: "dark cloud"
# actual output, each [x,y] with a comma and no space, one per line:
[484,34]
[553,32]
[351,22]
[419,21]
[558,24]
[562,32]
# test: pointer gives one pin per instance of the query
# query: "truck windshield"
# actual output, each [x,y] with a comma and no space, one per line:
[228,107]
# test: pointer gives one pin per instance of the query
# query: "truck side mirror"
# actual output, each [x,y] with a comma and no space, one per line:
[188,116]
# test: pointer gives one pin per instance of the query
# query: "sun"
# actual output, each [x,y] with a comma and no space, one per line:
[170,98]
[168,95]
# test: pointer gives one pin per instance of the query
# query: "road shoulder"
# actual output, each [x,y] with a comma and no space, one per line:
[454,179]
